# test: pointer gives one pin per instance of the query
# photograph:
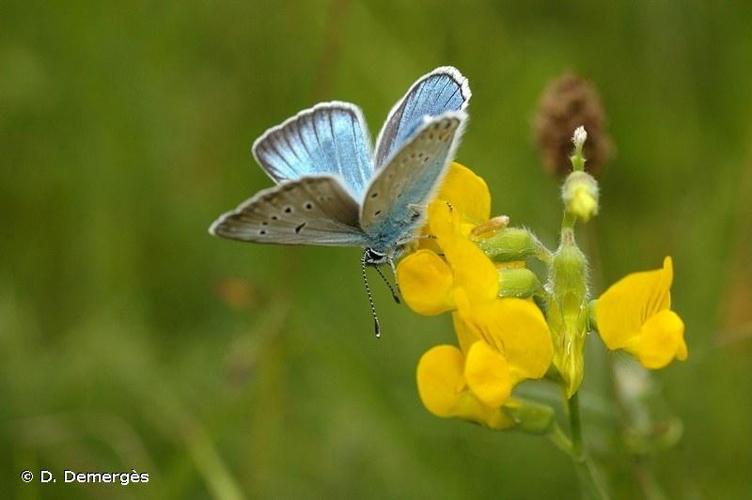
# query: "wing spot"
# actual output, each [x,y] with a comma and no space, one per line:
[375,195]
[262,232]
[264,223]
[447,125]
[299,227]
[308,205]
[430,137]
[275,217]
[377,213]
[288,209]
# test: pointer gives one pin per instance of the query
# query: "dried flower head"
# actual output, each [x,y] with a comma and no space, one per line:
[567,103]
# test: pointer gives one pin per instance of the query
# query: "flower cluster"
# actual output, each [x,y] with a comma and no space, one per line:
[502,341]
[509,328]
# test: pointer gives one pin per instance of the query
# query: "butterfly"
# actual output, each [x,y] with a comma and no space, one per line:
[333,189]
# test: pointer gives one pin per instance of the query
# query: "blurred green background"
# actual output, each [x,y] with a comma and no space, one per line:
[130,339]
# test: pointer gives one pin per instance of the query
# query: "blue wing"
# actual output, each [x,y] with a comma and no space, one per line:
[395,202]
[443,89]
[328,139]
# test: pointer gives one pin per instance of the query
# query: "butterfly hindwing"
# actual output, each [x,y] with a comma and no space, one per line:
[444,89]
[308,211]
[330,138]
[396,198]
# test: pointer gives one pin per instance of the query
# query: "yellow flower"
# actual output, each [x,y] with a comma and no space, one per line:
[501,344]
[634,315]
[444,392]
[502,341]
[431,284]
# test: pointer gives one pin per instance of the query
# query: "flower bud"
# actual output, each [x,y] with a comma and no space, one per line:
[580,195]
[509,244]
[568,313]
[520,282]
[579,137]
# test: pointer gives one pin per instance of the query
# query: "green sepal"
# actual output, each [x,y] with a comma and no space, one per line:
[509,244]
[518,282]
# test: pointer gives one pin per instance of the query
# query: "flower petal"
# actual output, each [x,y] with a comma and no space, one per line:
[517,328]
[442,389]
[627,304]
[487,374]
[661,340]
[467,334]
[441,379]
[473,271]
[466,192]
[425,282]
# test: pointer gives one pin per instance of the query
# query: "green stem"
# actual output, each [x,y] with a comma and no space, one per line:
[575,424]
[587,472]
[560,440]
[542,253]
[567,227]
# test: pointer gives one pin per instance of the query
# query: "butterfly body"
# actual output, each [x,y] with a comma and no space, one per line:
[333,190]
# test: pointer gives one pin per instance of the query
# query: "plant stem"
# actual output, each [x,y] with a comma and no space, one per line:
[587,472]
[575,424]
[560,440]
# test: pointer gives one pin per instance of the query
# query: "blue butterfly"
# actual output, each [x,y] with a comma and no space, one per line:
[333,190]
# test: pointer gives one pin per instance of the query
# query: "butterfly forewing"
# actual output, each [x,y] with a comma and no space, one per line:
[444,89]
[330,138]
[308,211]
[396,198]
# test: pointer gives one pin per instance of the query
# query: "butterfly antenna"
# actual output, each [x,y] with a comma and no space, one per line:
[393,289]
[377,326]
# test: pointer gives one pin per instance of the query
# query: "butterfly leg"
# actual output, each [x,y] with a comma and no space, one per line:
[396,282]
[394,289]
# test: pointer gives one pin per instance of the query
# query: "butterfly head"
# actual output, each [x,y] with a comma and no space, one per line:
[373,257]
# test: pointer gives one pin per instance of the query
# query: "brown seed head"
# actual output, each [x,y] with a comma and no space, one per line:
[568,102]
